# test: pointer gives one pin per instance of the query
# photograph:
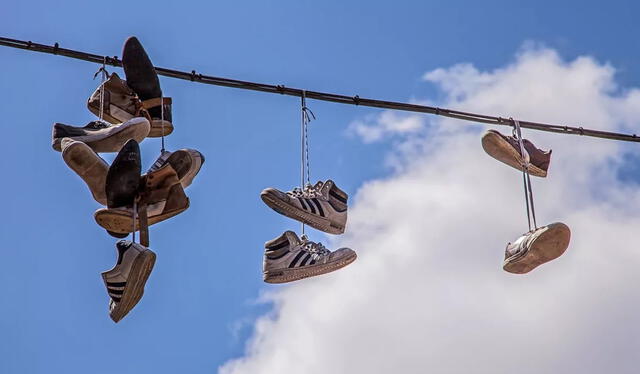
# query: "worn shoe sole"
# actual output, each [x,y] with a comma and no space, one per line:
[501,150]
[121,222]
[89,166]
[140,271]
[320,223]
[114,138]
[548,246]
[157,128]
[123,178]
[294,274]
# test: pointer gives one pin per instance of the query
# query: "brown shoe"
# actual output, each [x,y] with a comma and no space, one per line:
[507,149]
[88,165]
[536,248]
[119,101]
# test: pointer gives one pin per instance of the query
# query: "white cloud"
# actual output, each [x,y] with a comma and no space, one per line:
[386,124]
[427,293]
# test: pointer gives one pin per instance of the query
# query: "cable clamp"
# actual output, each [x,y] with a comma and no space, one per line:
[55,48]
[280,88]
[356,100]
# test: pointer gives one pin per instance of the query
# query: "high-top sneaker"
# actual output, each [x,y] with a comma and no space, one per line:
[164,196]
[102,136]
[288,258]
[125,282]
[323,206]
[120,103]
[536,248]
[123,178]
[186,163]
[143,79]
[507,149]
[88,165]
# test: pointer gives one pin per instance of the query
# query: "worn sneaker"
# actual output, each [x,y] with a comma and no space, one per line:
[536,248]
[143,80]
[186,163]
[164,196]
[88,165]
[323,206]
[288,258]
[125,282]
[507,149]
[102,136]
[123,179]
[120,103]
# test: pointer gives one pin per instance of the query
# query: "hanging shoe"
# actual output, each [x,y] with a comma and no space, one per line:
[125,282]
[536,248]
[143,80]
[507,149]
[323,206]
[186,163]
[123,178]
[288,258]
[120,103]
[88,165]
[164,197]
[102,136]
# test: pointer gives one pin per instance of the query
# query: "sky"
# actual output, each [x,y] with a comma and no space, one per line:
[429,214]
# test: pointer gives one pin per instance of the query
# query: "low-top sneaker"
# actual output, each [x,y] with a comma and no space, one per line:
[102,136]
[536,248]
[506,149]
[88,165]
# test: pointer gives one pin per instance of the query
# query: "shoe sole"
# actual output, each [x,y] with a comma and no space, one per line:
[123,178]
[320,223]
[546,247]
[113,140]
[290,275]
[90,167]
[140,271]
[121,223]
[157,128]
[501,150]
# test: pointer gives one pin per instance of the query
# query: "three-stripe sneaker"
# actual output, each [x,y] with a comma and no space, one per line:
[536,248]
[288,258]
[186,163]
[102,136]
[323,206]
[125,282]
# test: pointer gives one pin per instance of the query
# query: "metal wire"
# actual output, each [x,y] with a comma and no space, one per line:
[323,96]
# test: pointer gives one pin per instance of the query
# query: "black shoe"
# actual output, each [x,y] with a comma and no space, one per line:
[123,178]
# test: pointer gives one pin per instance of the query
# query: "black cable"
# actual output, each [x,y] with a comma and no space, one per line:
[336,98]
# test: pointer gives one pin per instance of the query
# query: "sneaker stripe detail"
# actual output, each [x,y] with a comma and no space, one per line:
[304,262]
[319,207]
[337,197]
[277,256]
[313,261]
[298,256]
[115,299]
[278,246]
[116,292]
[304,206]
[313,210]
[116,284]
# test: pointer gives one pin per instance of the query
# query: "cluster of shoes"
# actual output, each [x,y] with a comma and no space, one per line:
[129,111]
[288,257]
[540,244]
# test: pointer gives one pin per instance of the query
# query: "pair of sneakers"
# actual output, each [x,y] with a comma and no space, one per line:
[288,257]
[542,244]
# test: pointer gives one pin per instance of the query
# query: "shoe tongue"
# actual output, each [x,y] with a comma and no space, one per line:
[97,125]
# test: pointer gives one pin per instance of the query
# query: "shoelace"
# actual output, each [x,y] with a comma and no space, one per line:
[97,125]
[309,191]
[316,250]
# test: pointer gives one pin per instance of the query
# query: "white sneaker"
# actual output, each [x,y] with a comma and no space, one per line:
[323,206]
[125,282]
[288,258]
[186,162]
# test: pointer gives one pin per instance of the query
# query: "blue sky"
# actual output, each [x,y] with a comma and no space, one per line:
[199,305]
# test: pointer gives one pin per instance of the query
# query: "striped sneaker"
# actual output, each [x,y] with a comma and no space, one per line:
[323,206]
[125,282]
[536,248]
[288,258]
[186,163]
[102,136]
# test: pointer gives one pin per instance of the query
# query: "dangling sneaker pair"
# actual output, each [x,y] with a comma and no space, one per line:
[288,258]
[543,244]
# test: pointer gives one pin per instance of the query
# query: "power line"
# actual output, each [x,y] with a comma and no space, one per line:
[323,96]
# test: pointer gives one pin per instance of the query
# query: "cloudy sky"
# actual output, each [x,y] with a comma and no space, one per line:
[430,212]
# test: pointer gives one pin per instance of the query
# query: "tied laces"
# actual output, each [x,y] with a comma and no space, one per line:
[316,250]
[309,191]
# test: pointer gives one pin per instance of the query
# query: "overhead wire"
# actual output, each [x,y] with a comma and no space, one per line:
[322,96]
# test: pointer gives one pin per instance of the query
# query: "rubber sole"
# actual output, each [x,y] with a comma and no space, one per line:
[140,271]
[157,128]
[89,166]
[551,244]
[320,223]
[501,150]
[121,222]
[112,140]
[290,275]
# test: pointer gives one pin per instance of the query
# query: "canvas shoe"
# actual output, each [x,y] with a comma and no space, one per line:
[323,206]
[120,103]
[288,258]
[536,248]
[88,165]
[102,136]
[123,178]
[125,282]
[507,150]
[163,194]
[143,80]
[186,163]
